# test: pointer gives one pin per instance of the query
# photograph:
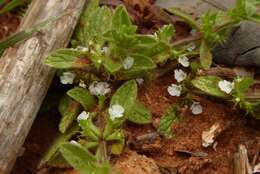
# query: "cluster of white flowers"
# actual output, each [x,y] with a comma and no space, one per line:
[184,61]
[128,63]
[67,78]
[196,108]
[99,88]
[179,75]
[116,111]
[174,90]
[83,116]
[226,86]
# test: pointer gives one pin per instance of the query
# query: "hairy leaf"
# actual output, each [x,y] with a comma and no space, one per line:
[139,114]
[117,148]
[67,58]
[209,85]
[166,33]
[205,55]
[89,130]
[166,123]
[187,18]
[69,110]
[82,96]
[125,95]
[80,159]
[121,18]
[61,139]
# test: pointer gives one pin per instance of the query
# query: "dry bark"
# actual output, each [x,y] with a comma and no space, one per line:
[24,79]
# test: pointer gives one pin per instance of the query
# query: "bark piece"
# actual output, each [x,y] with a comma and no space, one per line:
[24,79]
[241,162]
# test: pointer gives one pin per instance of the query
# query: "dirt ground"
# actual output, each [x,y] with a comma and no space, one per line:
[181,154]
[8,24]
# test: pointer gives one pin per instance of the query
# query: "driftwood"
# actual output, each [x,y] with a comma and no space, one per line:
[24,79]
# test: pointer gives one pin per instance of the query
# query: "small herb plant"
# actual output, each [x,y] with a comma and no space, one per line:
[107,61]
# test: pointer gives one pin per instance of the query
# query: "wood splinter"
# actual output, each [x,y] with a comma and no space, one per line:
[241,162]
[209,136]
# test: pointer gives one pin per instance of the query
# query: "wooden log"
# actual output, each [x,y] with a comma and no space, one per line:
[24,79]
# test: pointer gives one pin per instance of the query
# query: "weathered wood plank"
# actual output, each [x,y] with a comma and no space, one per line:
[24,79]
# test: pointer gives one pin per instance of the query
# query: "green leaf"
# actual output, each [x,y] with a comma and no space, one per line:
[209,85]
[82,96]
[150,47]
[121,18]
[89,130]
[67,58]
[205,55]
[186,17]
[166,33]
[117,148]
[69,110]
[167,121]
[81,31]
[139,114]
[61,139]
[79,158]
[125,96]
[117,135]
[241,87]
[111,65]
[142,65]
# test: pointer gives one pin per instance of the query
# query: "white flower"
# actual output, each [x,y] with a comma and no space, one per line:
[81,48]
[226,86]
[179,75]
[83,116]
[196,108]
[82,84]
[104,49]
[128,63]
[67,78]
[99,88]
[191,47]
[140,81]
[174,90]
[184,61]
[116,111]
[74,142]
